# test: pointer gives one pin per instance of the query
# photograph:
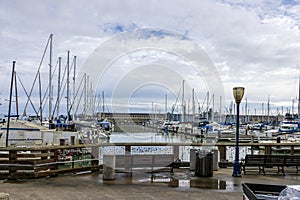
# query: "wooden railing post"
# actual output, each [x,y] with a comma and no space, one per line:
[95,156]
[128,149]
[268,150]
[13,157]
[176,152]
[222,150]
[55,158]
[292,150]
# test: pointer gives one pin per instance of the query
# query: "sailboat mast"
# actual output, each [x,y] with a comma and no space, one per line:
[213,107]
[74,85]
[84,90]
[166,105]
[103,115]
[58,86]
[9,106]
[50,78]
[299,97]
[246,111]
[41,102]
[16,93]
[68,82]
[220,110]
[268,108]
[183,103]
[193,105]
[207,109]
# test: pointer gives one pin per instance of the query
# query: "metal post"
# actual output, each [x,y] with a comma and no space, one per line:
[9,106]
[236,165]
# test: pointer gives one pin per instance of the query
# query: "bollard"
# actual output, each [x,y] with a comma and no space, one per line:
[109,162]
[193,159]
[72,140]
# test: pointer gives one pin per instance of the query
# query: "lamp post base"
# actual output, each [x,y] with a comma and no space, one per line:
[236,169]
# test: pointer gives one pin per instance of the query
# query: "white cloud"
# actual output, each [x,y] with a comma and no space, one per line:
[253,43]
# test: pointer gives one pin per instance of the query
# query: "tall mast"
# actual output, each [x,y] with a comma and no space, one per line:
[166,106]
[91,99]
[41,102]
[50,78]
[293,101]
[36,77]
[10,99]
[183,103]
[58,86]
[103,116]
[213,107]
[74,74]
[207,109]
[220,110]
[268,108]
[246,111]
[85,95]
[299,97]
[193,105]
[68,83]
[16,93]
[262,111]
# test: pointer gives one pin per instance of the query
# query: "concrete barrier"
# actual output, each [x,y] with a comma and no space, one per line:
[109,163]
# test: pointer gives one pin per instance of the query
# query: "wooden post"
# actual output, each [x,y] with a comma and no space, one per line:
[95,157]
[292,150]
[222,150]
[13,154]
[176,152]
[128,149]
[268,150]
[55,158]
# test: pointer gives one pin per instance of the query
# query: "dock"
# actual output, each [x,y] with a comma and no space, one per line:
[184,185]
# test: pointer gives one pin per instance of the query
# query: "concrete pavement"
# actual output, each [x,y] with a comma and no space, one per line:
[182,185]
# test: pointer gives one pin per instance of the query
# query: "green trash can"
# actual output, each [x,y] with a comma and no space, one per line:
[204,165]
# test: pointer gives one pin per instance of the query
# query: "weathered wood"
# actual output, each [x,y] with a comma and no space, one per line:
[35,155]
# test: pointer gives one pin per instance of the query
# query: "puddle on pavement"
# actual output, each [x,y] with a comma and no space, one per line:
[182,182]
[201,183]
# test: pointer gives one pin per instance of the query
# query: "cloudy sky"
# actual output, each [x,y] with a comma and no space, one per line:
[250,43]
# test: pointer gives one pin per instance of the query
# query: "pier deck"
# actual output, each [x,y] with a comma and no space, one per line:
[184,185]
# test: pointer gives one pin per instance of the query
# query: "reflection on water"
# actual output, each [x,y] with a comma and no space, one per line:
[183,182]
[203,183]
[208,183]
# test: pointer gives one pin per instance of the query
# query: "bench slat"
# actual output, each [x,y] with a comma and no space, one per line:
[149,161]
[280,161]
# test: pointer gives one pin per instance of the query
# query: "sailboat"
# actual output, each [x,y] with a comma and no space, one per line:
[291,123]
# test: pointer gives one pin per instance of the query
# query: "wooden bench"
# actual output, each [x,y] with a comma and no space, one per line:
[146,163]
[264,161]
[293,161]
[254,161]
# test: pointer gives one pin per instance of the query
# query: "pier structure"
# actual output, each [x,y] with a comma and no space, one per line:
[34,162]
[140,118]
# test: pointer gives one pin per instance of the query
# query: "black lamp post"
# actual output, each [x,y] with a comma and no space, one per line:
[238,93]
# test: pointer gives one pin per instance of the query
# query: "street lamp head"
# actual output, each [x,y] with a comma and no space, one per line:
[238,93]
